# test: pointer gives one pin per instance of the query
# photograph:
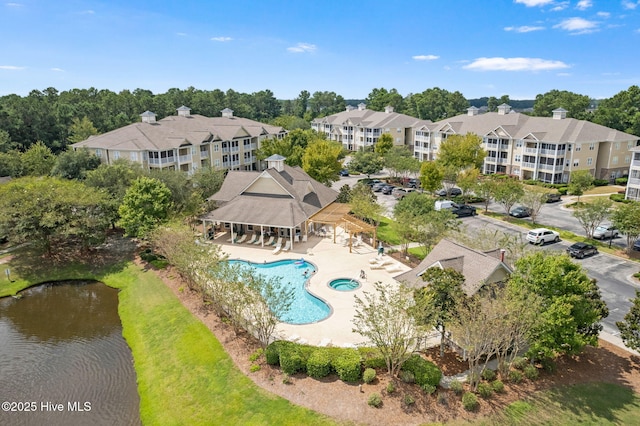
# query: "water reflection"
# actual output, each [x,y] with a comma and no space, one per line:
[62,344]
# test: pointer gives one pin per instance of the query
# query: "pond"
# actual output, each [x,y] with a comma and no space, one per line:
[63,358]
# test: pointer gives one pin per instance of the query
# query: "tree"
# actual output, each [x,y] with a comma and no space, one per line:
[384,144]
[410,214]
[292,146]
[383,318]
[462,151]
[626,218]
[301,103]
[571,304]
[321,160]
[38,160]
[630,326]
[80,130]
[207,181]
[74,164]
[579,182]
[575,104]
[436,302]
[400,161]
[533,198]
[591,215]
[6,144]
[11,164]
[435,226]
[486,239]
[486,190]
[431,175]
[366,162]
[435,104]
[621,111]
[344,196]
[379,99]
[51,213]
[507,192]
[364,204]
[468,180]
[145,205]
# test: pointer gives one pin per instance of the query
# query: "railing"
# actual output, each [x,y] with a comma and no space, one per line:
[490,159]
[491,145]
[553,152]
[528,165]
[531,150]
[502,160]
[555,168]
[634,182]
[635,164]
[165,160]
[185,158]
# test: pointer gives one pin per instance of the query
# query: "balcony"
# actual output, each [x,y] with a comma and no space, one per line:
[185,158]
[635,164]
[166,160]
[634,182]
[554,168]
[490,159]
[531,150]
[528,165]
[553,152]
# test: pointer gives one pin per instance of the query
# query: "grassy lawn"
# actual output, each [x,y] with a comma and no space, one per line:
[609,189]
[386,233]
[184,375]
[587,404]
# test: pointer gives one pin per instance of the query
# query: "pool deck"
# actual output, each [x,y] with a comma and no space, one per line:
[332,260]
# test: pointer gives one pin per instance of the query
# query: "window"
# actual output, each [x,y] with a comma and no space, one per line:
[98,152]
[590,161]
[627,159]
[399,130]
[578,147]
[614,160]
[518,158]
[616,146]
[592,146]
[216,162]
[133,156]
[116,155]
[576,163]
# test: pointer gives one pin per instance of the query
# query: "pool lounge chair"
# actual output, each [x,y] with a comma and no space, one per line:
[253,239]
[287,246]
[304,238]
[382,264]
[241,239]
[259,240]
[394,268]
[278,242]
[269,241]
[278,249]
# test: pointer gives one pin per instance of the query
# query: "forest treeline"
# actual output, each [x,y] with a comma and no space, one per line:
[60,118]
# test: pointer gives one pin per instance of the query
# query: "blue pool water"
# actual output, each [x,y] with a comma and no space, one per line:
[344,284]
[305,308]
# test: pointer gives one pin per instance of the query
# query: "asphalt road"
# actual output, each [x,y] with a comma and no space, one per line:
[614,275]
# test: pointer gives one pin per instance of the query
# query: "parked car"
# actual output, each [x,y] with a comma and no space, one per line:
[580,250]
[400,193]
[462,210]
[377,187]
[552,198]
[603,232]
[636,245]
[371,182]
[413,183]
[344,172]
[453,192]
[387,189]
[542,236]
[520,212]
[444,204]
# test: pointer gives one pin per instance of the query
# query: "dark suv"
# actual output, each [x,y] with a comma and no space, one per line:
[580,250]
[462,210]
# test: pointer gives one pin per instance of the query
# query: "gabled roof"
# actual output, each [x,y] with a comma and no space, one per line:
[271,198]
[172,132]
[371,119]
[477,267]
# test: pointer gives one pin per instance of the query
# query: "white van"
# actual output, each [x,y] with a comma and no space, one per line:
[444,204]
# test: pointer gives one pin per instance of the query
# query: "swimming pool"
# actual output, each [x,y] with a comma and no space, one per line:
[306,308]
[344,284]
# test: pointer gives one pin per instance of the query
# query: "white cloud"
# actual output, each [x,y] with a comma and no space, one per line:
[222,39]
[603,14]
[13,4]
[57,69]
[302,48]
[584,4]
[10,67]
[560,6]
[514,64]
[534,3]
[425,57]
[631,5]
[87,12]
[577,25]
[523,29]
[181,34]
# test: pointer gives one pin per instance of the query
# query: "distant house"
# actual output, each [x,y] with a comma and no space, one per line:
[478,268]
[185,142]
[277,201]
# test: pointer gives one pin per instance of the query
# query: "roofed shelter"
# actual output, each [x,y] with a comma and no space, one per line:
[337,214]
[279,199]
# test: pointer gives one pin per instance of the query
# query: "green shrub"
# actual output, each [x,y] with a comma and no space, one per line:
[622,181]
[498,386]
[619,198]
[272,352]
[469,401]
[372,358]
[548,364]
[291,360]
[319,364]
[600,182]
[456,386]
[425,372]
[254,368]
[519,362]
[391,387]
[429,389]
[255,355]
[348,365]
[515,376]
[531,372]
[375,400]
[407,376]
[160,263]
[369,375]
[409,399]
[488,374]
[286,379]
[485,390]
[563,190]
[442,398]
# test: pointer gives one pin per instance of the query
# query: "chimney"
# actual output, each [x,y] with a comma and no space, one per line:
[502,252]
[227,113]
[559,114]
[504,109]
[184,111]
[472,111]
[362,106]
[148,117]
[388,109]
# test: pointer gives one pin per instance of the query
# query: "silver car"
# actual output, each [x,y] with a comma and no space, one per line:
[605,232]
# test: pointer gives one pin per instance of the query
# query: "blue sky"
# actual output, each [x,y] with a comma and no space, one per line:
[520,48]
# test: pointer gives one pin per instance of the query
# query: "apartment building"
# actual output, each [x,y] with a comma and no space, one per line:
[357,128]
[185,142]
[633,185]
[542,148]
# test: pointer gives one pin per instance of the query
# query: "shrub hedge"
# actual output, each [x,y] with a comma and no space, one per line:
[369,375]
[469,401]
[291,361]
[424,372]
[372,358]
[348,365]
[319,364]
[485,389]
